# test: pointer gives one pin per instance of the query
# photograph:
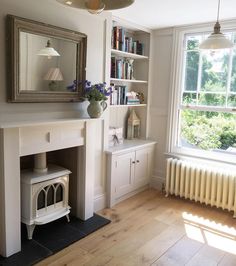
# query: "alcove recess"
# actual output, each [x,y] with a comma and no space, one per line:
[66,158]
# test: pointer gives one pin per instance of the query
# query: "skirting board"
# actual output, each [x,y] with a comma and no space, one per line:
[157,182]
[100,202]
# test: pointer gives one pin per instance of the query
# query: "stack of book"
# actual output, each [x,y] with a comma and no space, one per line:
[121,68]
[131,98]
[121,96]
[120,41]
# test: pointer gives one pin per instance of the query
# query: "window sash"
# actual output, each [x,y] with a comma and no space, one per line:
[175,103]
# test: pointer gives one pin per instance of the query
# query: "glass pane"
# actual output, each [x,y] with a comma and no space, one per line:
[208,130]
[233,75]
[211,99]
[189,98]
[232,101]
[215,71]
[41,200]
[59,194]
[50,196]
[191,72]
[192,42]
[234,37]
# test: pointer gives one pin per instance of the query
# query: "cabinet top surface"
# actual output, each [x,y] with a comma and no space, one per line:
[14,124]
[130,145]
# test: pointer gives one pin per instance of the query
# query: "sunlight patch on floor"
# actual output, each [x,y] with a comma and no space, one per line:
[209,232]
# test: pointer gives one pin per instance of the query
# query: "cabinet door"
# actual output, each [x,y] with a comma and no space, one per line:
[142,167]
[124,173]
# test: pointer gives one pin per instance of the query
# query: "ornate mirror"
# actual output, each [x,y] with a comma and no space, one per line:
[45,63]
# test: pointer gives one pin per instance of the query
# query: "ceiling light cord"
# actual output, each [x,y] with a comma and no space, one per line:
[217,25]
[218,12]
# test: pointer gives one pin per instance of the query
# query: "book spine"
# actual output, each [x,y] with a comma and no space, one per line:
[113,67]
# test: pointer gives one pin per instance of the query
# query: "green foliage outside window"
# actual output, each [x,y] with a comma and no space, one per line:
[208,130]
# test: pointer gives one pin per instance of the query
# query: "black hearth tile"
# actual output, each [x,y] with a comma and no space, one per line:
[51,238]
[90,225]
[31,253]
[57,235]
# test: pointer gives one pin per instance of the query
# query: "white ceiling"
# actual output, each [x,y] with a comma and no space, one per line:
[167,13]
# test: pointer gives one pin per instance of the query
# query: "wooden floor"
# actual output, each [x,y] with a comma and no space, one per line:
[149,229]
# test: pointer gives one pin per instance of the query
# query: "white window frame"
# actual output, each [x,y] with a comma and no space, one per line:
[177,73]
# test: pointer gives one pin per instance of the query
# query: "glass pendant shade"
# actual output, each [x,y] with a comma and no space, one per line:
[97,6]
[48,51]
[94,6]
[216,40]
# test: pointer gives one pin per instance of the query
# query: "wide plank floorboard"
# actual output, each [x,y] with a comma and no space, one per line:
[149,229]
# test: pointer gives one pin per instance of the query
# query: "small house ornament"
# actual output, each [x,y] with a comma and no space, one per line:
[133,131]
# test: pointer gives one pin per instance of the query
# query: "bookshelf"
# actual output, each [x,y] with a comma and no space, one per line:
[135,51]
[128,55]
[129,80]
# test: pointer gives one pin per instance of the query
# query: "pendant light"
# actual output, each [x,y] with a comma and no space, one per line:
[216,40]
[48,51]
[97,6]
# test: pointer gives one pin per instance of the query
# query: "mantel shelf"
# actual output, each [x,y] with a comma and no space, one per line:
[128,55]
[129,80]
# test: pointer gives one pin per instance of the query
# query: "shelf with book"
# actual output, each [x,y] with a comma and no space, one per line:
[128,55]
[127,105]
[129,80]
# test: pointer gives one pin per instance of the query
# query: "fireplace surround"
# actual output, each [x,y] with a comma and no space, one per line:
[34,137]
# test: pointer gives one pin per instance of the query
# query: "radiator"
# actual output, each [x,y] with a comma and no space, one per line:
[204,184]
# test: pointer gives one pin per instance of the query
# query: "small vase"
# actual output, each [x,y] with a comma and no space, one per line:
[96,108]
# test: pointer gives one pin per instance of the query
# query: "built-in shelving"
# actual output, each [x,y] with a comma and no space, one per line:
[128,55]
[134,65]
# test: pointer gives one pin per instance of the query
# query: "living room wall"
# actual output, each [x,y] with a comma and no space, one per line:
[161,76]
[51,12]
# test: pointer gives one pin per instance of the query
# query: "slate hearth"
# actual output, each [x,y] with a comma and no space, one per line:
[51,238]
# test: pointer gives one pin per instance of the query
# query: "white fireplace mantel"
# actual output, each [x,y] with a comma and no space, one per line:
[32,137]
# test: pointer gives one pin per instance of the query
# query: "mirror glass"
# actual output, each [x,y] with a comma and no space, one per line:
[46,73]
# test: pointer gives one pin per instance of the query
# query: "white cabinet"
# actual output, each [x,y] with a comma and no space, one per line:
[128,170]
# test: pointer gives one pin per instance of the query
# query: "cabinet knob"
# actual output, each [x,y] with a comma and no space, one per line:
[137,161]
[133,162]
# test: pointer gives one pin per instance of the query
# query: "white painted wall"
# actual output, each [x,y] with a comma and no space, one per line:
[159,99]
[51,12]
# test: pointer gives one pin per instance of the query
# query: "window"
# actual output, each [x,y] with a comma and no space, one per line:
[205,111]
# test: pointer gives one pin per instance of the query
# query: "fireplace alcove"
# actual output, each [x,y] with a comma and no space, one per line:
[47,187]
[68,142]
[65,158]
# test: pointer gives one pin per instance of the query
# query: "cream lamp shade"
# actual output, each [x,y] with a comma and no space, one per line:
[48,51]
[54,74]
[97,6]
[216,40]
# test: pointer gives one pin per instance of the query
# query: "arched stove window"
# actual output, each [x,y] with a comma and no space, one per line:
[50,195]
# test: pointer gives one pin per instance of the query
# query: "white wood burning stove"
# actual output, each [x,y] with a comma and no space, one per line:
[44,194]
